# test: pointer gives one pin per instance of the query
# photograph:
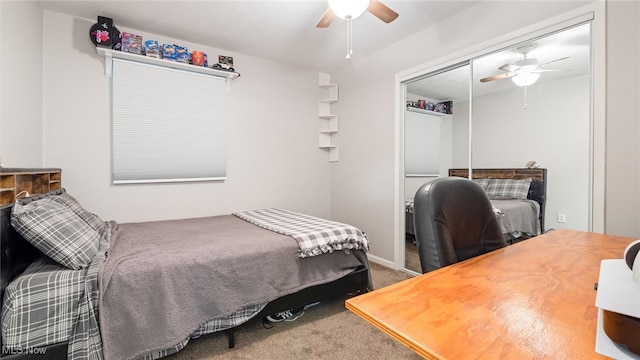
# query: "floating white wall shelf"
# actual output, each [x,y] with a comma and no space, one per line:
[328,95]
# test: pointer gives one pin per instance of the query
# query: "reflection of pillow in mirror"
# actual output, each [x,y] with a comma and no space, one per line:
[509,188]
[483,183]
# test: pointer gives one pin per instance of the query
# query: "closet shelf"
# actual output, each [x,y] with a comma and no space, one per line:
[428,112]
[109,54]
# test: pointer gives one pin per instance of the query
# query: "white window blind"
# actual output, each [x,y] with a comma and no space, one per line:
[422,144]
[167,125]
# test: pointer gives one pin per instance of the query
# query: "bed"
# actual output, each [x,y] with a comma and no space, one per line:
[518,197]
[232,284]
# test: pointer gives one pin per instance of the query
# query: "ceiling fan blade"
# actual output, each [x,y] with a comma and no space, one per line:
[382,11]
[552,61]
[326,19]
[509,67]
[498,77]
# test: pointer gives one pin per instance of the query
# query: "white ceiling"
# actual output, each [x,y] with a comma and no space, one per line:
[283,31]
[454,84]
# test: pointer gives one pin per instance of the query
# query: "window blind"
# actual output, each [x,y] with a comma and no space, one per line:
[422,144]
[168,125]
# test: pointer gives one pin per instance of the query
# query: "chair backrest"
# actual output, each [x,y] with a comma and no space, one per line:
[454,221]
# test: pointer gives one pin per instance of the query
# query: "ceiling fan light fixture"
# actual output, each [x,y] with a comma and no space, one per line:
[348,9]
[525,78]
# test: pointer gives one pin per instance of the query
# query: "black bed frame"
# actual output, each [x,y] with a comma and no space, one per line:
[17,254]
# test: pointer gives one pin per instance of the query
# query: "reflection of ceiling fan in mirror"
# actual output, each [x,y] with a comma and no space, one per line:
[524,72]
[351,9]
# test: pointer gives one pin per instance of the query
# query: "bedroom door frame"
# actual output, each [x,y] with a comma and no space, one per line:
[595,15]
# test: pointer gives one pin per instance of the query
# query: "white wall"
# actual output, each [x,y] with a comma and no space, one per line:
[460,143]
[363,181]
[622,212]
[273,159]
[21,84]
[553,131]
[413,183]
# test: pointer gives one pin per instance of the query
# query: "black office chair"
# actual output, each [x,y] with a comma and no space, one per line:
[454,221]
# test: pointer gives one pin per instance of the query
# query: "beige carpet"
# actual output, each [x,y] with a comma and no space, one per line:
[325,331]
[411,257]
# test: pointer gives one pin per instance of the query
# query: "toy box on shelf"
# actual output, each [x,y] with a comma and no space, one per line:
[104,34]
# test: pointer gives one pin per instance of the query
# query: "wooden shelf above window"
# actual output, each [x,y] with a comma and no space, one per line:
[109,54]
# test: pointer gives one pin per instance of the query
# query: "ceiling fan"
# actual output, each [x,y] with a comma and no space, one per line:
[523,72]
[351,9]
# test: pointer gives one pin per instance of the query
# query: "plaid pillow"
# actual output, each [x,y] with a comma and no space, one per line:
[57,231]
[509,188]
[483,183]
[92,219]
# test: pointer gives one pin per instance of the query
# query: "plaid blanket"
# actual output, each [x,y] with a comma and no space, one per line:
[39,305]
[57,305]
[42,306]
[315,236]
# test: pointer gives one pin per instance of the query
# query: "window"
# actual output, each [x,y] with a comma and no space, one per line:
[168,125]
[422,144]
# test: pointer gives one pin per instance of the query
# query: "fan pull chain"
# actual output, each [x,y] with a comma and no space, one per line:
[349,37]
[525,97]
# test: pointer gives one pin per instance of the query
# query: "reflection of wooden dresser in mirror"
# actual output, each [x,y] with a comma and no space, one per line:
[35,181]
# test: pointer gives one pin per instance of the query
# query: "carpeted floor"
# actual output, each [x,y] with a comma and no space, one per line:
[325,331]
[411,257]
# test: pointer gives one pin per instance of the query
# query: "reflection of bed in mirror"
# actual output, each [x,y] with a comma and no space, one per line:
[517,195]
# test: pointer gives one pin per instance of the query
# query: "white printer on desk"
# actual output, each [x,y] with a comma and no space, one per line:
[618,302]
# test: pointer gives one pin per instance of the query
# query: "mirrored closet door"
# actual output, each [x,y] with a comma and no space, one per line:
[436,137]
[528,102]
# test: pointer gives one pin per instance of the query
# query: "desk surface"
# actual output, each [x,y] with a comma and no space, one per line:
[534,299]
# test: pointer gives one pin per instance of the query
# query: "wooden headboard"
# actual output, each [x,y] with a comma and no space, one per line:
[537,190]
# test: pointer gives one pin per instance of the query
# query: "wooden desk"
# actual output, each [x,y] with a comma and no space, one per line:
[534,299]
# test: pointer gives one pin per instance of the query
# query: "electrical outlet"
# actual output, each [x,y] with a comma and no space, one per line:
[562,218]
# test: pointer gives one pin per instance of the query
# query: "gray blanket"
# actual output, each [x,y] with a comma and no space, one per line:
[161,280]
[518,216]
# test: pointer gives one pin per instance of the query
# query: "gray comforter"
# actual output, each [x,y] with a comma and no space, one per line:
[518,216]
[162,280]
